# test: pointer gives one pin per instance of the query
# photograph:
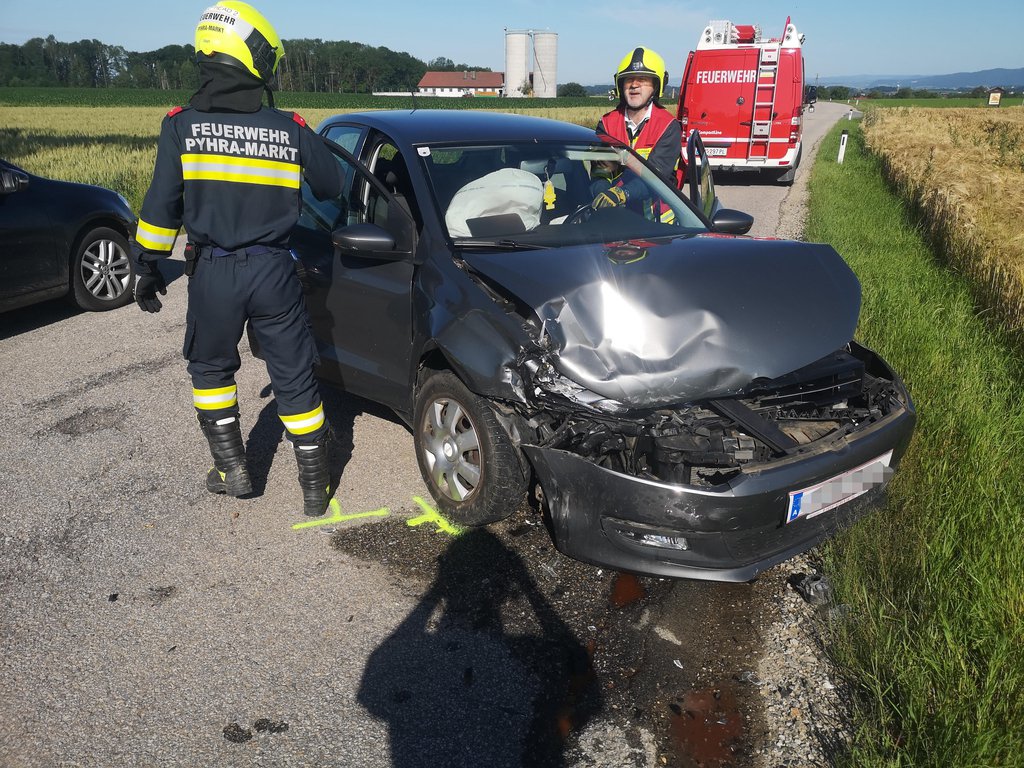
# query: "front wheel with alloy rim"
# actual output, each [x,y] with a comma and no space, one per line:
[465,455]
[101,271]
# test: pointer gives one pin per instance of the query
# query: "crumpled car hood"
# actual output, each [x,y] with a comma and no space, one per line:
[648,324]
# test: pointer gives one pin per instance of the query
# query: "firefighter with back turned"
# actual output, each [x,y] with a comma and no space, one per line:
[229,170]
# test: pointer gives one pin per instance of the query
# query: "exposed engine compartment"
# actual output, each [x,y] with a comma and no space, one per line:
[707,443]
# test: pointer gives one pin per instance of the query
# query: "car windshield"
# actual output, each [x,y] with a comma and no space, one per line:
[542,194]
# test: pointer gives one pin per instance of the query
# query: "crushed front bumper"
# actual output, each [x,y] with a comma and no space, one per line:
[731,533]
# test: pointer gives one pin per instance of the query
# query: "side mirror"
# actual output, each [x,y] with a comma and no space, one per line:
[12,181]
[730,222]
[368,241]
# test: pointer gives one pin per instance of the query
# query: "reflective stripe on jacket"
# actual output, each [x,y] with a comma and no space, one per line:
[232,179]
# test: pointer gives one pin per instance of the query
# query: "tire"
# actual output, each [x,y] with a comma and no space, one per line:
[101,271]
[465,455]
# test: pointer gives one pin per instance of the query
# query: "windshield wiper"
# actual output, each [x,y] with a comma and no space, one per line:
[499,245]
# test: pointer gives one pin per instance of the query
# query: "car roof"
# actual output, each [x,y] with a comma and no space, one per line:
[434,126]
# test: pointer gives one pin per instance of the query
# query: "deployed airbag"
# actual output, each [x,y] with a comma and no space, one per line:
[509,191]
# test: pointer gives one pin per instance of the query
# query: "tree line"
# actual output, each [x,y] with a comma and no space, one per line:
[309,65]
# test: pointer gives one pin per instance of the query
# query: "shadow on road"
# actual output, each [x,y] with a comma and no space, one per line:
[15,322]
[341,410]
[747,179]
[457,688]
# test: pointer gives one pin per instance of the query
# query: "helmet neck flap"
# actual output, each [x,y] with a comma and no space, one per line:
[224,88]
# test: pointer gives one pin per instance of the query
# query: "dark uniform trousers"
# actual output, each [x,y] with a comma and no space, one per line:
[258,284]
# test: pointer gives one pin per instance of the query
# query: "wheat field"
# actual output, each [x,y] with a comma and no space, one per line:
[963,169]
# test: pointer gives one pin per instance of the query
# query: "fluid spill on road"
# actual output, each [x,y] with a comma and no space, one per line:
[706,728]
[579,685]
[626,590]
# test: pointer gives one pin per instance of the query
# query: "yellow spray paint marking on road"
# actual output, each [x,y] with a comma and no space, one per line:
[431,515]
[337,517]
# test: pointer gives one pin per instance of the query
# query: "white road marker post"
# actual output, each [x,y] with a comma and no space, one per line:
[842,146]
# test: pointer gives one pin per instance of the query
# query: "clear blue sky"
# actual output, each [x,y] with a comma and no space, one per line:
[866,37]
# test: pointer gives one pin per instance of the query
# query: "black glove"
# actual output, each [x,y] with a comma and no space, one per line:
[149,282]
[610,197]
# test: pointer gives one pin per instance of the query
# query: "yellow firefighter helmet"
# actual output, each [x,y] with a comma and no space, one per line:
[642,62]
[235,33]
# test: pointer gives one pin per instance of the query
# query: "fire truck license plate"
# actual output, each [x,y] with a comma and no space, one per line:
[840,489]
[716,151]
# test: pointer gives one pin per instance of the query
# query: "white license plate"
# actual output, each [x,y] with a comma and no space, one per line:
[716,151]
[840,489]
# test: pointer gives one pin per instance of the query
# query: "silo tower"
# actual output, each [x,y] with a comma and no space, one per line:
[517,63]
[545,64]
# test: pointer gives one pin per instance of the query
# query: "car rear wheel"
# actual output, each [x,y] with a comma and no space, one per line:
[465,455]
[101,271]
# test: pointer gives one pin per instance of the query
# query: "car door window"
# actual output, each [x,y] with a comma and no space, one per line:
[361,201]
[345,136]
[334,212]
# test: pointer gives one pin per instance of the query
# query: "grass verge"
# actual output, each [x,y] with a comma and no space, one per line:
[934,639]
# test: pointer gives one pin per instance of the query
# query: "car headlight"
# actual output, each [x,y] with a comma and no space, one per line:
[547,380]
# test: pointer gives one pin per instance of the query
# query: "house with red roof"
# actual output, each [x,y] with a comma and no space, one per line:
[458,84]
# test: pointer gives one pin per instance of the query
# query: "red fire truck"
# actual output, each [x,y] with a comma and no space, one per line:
[744,93]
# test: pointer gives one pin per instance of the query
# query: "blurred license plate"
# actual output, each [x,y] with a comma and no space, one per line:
[716,151]
[839,489]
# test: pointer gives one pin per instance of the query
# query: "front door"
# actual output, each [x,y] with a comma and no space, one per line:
[360,303]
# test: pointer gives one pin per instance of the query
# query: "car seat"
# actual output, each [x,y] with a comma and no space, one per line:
[394,175]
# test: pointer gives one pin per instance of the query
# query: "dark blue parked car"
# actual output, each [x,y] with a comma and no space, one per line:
[58,238]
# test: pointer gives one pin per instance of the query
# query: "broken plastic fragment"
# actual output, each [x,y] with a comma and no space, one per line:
[814,588]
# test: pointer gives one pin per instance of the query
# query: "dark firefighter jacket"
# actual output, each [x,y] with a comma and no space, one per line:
[232,179]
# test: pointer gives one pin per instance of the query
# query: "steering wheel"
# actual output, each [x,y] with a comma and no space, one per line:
[581,215]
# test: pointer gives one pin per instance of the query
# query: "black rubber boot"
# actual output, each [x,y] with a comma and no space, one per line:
[229,475]
[314,476]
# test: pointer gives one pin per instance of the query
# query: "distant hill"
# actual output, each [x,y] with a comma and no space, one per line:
[986,78]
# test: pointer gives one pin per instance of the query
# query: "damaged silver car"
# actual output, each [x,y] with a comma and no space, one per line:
[687,402]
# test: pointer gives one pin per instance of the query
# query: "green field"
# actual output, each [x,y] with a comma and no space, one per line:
[934,636]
